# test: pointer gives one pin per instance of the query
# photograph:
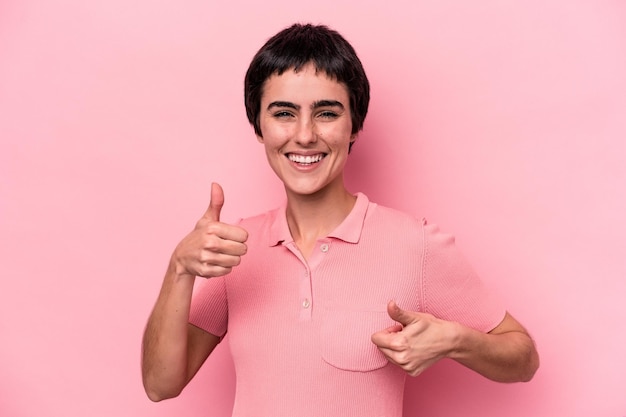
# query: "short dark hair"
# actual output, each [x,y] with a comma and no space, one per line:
[294,48]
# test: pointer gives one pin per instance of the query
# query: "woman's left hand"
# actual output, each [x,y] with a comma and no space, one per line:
[418,341]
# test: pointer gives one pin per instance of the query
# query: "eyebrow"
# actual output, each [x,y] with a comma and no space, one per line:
[287,104]
[317,104]
[327,103]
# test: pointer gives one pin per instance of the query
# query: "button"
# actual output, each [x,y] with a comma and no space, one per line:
[324,247]
[306,303]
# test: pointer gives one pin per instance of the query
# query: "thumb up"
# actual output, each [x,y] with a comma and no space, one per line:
[215,205]
[212,248]
[417,342]
[401,316]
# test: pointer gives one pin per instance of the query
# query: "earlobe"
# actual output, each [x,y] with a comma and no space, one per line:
[259,138]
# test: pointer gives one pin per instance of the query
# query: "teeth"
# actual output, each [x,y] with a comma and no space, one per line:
[301,159]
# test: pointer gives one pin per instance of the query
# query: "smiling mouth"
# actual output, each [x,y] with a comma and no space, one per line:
[306,160]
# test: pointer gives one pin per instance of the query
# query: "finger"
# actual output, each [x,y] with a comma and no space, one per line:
[232,247]
[387,338]
[392,329]
[390,355]
[380,339]
[217,246]
[220,259]
[212,242]
[401,316]
[215,205]
[229,232]
[213,264]
[211,271]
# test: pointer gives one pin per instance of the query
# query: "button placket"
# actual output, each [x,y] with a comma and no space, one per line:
[305,294]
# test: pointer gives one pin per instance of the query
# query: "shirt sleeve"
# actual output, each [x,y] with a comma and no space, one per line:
[209,306]
[451,289]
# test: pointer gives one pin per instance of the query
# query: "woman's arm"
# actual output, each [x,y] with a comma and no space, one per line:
[173,350]
[506,354]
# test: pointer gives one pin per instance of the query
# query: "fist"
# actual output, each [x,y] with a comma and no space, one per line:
[212,248]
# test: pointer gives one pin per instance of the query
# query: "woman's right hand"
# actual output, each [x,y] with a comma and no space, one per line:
[212,248]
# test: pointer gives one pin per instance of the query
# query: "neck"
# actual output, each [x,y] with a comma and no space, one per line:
[313,216]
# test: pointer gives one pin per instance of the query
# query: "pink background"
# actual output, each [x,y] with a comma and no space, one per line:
[502,121]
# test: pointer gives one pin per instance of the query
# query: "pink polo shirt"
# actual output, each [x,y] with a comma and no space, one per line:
[300,332]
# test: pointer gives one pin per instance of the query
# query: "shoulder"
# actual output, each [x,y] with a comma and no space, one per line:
[383,215]
[435,236]
[266,228]
[259,220]
[398,222]
[393,228]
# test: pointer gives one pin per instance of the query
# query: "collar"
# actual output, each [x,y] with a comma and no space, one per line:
[349,230]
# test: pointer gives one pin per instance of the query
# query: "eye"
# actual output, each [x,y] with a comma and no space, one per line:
[328,114]
[282,114]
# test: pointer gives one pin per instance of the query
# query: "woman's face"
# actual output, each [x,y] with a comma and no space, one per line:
[306,125]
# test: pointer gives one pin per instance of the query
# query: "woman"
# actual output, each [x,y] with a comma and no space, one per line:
[303,291]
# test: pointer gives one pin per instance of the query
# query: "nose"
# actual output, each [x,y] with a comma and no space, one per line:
[305,134]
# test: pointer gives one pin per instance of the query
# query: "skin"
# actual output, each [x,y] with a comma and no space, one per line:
[173,349]
[307,114]
[419,340]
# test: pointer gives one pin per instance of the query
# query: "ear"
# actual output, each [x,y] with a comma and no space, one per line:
[352,140]
[259,138]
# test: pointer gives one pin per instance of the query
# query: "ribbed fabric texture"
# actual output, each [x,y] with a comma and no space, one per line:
[300,332]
